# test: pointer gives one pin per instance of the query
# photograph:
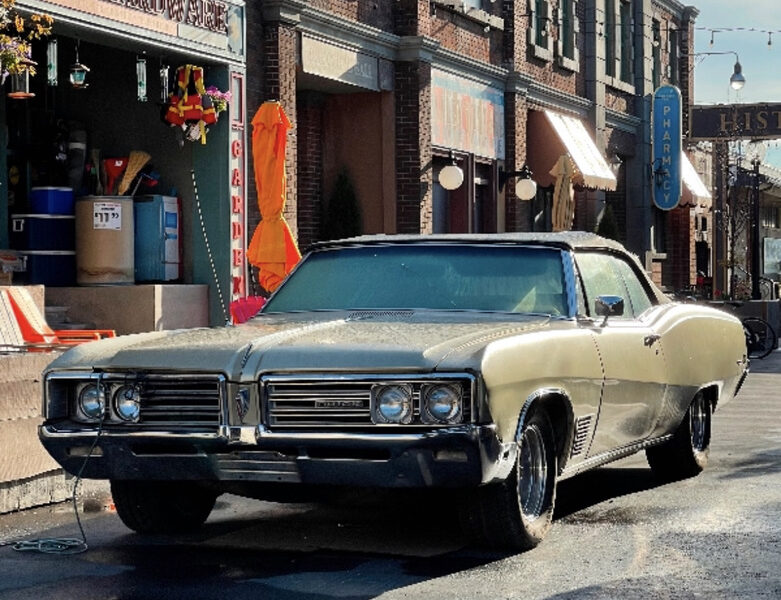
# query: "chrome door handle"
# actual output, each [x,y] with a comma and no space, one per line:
[650,339]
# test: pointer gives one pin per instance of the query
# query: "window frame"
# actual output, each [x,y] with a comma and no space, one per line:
[626,28]
[538,28]
[612,258]
[674,55]
[656,53]
[569,28]
[619,45]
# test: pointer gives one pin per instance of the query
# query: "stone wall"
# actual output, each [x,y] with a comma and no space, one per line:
[24,463]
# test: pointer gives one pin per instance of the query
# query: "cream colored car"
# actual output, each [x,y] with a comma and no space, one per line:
[494,365]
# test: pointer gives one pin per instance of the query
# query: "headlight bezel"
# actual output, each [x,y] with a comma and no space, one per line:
[119,394]
[427,395]
[378,393]
[419,394]
[82,412]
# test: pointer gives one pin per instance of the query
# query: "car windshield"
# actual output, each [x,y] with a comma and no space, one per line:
[426,276]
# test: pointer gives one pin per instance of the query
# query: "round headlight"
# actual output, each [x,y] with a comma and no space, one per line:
[393,404]
[127,402]
[92,401]
[442,404]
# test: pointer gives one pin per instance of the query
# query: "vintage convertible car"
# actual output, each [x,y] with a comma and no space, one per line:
[493,365]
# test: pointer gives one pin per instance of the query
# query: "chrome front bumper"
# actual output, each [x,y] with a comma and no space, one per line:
[458,456]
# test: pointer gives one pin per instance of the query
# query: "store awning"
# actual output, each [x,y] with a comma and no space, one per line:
[569,135]
[694,187]
[593,167]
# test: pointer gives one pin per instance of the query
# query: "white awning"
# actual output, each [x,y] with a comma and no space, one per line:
[583,151]
[691,179]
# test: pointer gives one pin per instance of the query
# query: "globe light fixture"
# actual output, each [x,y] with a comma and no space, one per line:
[737,80]
[525,186]
[451,176]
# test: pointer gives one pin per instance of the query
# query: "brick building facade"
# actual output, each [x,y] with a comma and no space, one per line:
[391,92]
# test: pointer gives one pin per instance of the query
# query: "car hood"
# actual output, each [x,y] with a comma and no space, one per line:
[342,341]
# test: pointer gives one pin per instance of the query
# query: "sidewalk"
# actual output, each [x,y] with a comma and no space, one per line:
[771,364]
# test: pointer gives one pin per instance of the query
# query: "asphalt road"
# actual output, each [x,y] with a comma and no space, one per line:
[617,534]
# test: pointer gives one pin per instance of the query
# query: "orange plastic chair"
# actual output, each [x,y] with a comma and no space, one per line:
[35,329]
[10,335]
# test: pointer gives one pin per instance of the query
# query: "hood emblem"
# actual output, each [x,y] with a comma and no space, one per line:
[242,403]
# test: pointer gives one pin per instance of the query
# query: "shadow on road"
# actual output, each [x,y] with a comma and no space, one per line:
[591,488]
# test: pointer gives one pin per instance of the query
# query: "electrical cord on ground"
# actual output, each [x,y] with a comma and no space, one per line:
[62,545]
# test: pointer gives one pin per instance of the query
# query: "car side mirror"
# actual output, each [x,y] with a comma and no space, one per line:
[609,306]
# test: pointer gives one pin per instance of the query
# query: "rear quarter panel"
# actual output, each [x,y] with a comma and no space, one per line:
[703,347]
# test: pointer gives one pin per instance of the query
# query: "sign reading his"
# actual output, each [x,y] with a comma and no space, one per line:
[755,121]
[667,147]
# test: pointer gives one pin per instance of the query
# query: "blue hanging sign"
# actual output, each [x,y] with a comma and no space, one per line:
[666,166]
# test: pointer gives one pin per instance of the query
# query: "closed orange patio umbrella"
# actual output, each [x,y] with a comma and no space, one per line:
[272,249]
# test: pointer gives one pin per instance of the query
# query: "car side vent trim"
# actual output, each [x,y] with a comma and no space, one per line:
[582,428]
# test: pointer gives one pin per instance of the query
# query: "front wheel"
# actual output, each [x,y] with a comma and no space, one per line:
[517,513]
[686,454]
[162,506]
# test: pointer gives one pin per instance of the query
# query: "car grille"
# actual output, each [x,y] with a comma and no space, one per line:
[346,403]
[181,403]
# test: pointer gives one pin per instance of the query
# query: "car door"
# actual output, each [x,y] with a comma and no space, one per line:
[634,365]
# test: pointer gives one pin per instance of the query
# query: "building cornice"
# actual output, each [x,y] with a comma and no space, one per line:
[543,96]
[676,8]
[463,66]
[622,121]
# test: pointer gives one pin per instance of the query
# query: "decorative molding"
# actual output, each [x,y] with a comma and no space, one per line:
[463,66]
[543,96]
[287,12]
[418,47]
[622,121]
[368,40]
[674,7]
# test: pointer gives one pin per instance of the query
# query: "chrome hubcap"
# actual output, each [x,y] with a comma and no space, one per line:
[698,417]
[532,480]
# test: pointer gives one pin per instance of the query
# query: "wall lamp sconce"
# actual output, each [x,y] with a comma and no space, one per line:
[614,161]
[660,173]
[78,72]
[737,80]
[525,186]
[451,176]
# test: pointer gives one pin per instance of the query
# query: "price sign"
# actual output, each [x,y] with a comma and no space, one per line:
[107,215]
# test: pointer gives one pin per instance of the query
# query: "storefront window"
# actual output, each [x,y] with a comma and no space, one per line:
[471,207]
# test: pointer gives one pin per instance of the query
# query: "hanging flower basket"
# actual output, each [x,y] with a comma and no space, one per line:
[16,36]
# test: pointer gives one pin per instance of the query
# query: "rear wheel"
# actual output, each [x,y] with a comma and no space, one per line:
[686,454]
[517,513]
[162,506]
